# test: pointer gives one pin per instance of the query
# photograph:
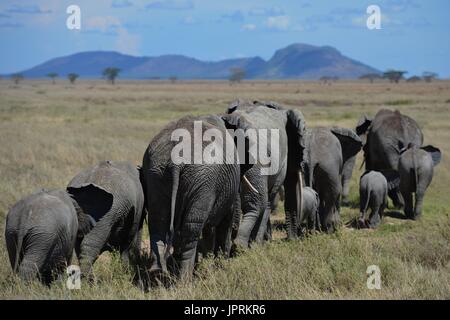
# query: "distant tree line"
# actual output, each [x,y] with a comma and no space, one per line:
[394,76]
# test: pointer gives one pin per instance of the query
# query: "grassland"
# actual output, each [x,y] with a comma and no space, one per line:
[49,132]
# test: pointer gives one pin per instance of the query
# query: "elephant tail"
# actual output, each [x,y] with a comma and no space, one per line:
[414,173]
[175,184]
[366,203]
[19,244]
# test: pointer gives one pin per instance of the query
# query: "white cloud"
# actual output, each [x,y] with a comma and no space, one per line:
[128,43]
[102,23]
[249,27]
[189,20]
[280,23]
[170,4]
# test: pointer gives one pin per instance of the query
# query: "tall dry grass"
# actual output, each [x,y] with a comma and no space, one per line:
[50,132]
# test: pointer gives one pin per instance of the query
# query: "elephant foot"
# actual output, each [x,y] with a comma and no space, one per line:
[345,202]
[159,277]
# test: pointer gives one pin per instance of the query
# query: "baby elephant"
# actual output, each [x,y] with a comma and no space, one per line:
[415,168]
[110,205]
[40,234]
[309,216]
[373,190]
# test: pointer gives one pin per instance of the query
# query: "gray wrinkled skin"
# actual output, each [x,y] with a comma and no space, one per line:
[373,191]
[256,206]
[310,213]
[110,202]
[416,168]
[187,199]
[40,234]
[326,152]
[388,134]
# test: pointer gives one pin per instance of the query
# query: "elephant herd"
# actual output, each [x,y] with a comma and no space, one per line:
[219,207]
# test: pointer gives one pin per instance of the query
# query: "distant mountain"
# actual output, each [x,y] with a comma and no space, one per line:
[297,61]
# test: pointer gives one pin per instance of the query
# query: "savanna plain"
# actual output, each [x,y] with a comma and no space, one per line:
[49,132]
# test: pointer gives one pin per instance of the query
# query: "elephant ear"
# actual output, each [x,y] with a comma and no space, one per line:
[350,142]
[234,122]
[435,154]
[93,200]
[295,127]
[363,125]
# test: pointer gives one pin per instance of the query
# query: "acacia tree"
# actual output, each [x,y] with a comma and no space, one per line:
[52,76]
[236,75]
[413,79]
[173,79]
[394,75]
[429,76]
[72,77]
[111,74]
[370,76]
[16,78]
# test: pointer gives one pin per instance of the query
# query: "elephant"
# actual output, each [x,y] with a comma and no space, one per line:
[40,234]
[326,152]
[186,197]
[287,153]
[373,189]
[388,134]
[347,171]
[415,168]
[109,199]
[310,211]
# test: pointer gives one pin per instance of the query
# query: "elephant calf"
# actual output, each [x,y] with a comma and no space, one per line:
[415,168]
[310,210]
[373,191]
[110,202]
[40,234]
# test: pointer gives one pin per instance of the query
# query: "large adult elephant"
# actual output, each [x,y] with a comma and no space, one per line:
[256,202]
[327,150]
[110,202]
[388,134]
[40,234]
[188,191]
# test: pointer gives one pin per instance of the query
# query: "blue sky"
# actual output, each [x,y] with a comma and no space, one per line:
[414,35]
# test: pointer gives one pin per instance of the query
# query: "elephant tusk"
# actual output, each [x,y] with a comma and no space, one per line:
[249,184]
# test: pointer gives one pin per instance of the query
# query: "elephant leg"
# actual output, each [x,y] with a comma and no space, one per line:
[397,198]
[184,256]
[408,198]
[268,233]
[30,266]
[346,177]
[246,226]
[263,222]
[418,204]
[207,243]
[92,246]
[223,237]
[290,206]
[374,219]
[362,209]
[132,254]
